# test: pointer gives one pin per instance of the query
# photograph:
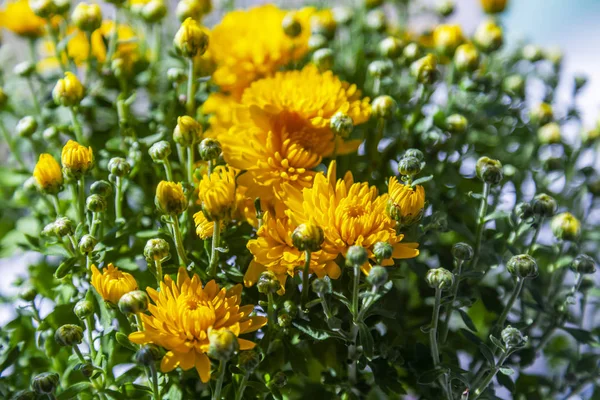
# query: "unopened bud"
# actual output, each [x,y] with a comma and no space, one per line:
[409,166]
[69,335]
[26,126]
[68,91]
[383,107]
[187,132]
[376,20]
[456,123]
[549,133]
[522,266]
[512,337]
[119,167]
[248,361]
[378,276]
[425,69]
[154,11]
[489,170]
[532,53]
[291,25]
[28,293]
[462,251]
[439,278]
[190,39]
[83,309]
[445,7]
[268,283]
[411,52]
[566,227]
[210,149]
[87,244]
[160,151]
[341,124]
[147,355]
[466,58]
[514,85]
[87,17]
[156,250]
[322,286]
[523,211]
[390,47]
[323,59]
[447,38]
[279,379]
[95,203]
[382,251]
[544,205]
[134,302]
[45,383]
[176,75]
[101,188]
[316,42]
[308,237]
[380,69]
[43,8]
[223,344]
[583,264]
[63,227]
[488,36]
[356,256]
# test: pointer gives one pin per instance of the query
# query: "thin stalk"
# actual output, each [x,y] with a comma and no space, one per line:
[450,307]
[536,234]
[88,327]
[486,382]
[12,146]
[36,102]
[240,393]
[96,221]
[355,285]
[159,272]
[191,92]
[77,126]
[155,388]
[353,364]
[179,241]
[56,204]
[511,301]
[220,379]
[119,198]
[480,223]
[435,352]
[88,67]
[112,41]
[214,254]
[271,311]
[57,53]
[81,198]
[168,170]
[190,164]
[307,256]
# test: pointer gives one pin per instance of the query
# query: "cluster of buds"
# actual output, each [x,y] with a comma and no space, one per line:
[61,228]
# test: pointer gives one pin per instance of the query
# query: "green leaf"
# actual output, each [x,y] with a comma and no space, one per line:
[72,391]
[581,335]
[366,339]
[65,267]
[429,377]
[497,342]
[317,334]
[105,317]
[9,358]
[467,320]
[470,336]
[507,371]
[487,353]
[421,180]
[497,215]
[123,340]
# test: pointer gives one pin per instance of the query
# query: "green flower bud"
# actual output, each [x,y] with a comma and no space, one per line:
[83,309]
[383,107]
[512,337]
[378,276]
[356,256]
[462,251]
[62,6]
[24,69]
[45,383]
[291,25]
[549,133]
[28,293]
[210,149]
[154,11]
[589,136]
[316,42]
[566,227]
[488,36]
[370,4]
[445,7]
[119,167]
[380,69]
[382,251]
[147,355]
[544,205]
[291,308]
[279,379]
[466,58]
[87,17]
[101,188]
[583,264]
[418,154]
[514,85]
[522,266]
[268,283]
[390,47]
[425,69]
[541,114]
[68,91]
[456,123]
[43,8]
[409,166]
[322,286]
[95,203]
[63,227]
[411,52]
[190,39]
[323,59]
[489,170]
[376,21]
[439,278]
[192,9]
[69,335]
[341,124]
[156,250]
[26,126]
[308,237]
[248,361]
[160,151]
[134,302]
[532,53]
[87,244]
[342,15]
[323,24]
[87,370]
[223,344]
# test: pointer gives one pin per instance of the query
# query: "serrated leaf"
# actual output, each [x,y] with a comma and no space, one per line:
[317,334]
[366,339]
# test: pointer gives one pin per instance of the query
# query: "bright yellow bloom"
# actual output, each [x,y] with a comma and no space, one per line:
[493,6]
[273,250]
[112,284]
[204,227]
[191,39]
[447,38]
[18,17]
[183,316]
[250,44]
[170,198]
[68,91]
[349,213]
[47,174]
[76,159]
[217,193]
[405,203]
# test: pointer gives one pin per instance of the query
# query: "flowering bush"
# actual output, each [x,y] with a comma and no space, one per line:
[292,204]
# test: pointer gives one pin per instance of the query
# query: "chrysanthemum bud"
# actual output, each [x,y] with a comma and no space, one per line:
[589,136]
[522,266]
[87,243]
[343,15]
[390,47]
[154,11]
[382,251]
[43,8]
[160,151]
[68,91]
[439,278]
[555,56]
[549,133]
[493,6]
[223,344]
[514,85]
[447,38]
[370,4]
[308,237]
[63,227]
[28,293]
[523,211]
[188,9]
[323,59]
[378,276]
[190,39]
[62,6]
[488,36]
[147,355]
[291,308]
[456,123]
[101,188]
[425,69]
[69,335]
[209,149]
[409,166]
[50,134]
[187,132]
[47,174]
[341,124]
[380,69]
[24,69]
[462,251]
[248,361]
[322,286]
[411,52]
[566,227]
[466,58]
[376,21]
[45,383]
[445,7]
[356,256]
[87,370]
[291,25]
[544,205]
[532,53]
[316,42]
[119,167]
[322,23]
[489,170]
[416,153]
[170,198]
[512,337]
[26,126]
[583,264]
[83,309]
[383,107]
[95,203]
[279,379]
[156,250]
[76,159]
[134,302]
[87,17]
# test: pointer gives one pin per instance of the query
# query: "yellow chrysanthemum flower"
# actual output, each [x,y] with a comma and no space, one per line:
[112,283]
[217,193]
[183,316]
[405,203]
[250,44]
[170,198]
[493,6]
[76,159]
[349,213]
[18,17]
[273,250]
[47,174]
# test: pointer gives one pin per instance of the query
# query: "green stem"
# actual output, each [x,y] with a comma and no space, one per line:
[81,198]
[450,306]
[480,223]
[36,103]
[307,256]
[511,301]
[119,198]
[12,146]
[155,388]
[486,382]
[435,352]
[112,43]
[89,326]
[214,254]
[190,164]
[356,283]
[536,234]
[159,272]
[96,221]
[220,379]
[191,99]
[56,204]
[168,170]
[271,311]
[78,352]
[77,127]
[178,241]
[57,53]
[88,68]
[240,393]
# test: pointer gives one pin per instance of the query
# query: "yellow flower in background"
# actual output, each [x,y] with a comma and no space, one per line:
[112,283]
[566,226]
[68,91]
[18,17]
[76,159]
[405,203]
[47,174]
[447,38]
[350,214]
[185,314]
[493,6]
[170,198]
[217,193]
[250,44]
[223,111]
[274,251]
